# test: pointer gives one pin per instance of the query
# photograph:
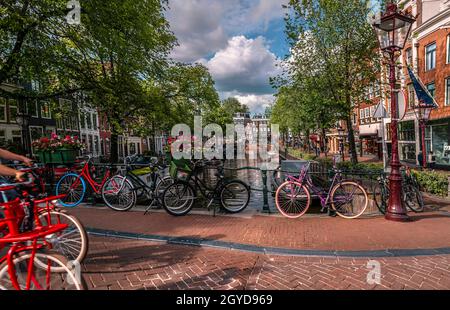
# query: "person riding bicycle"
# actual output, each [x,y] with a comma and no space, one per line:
[10,172]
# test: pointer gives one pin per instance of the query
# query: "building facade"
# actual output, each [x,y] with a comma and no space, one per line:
[428,53]
[89,126]
[10,131]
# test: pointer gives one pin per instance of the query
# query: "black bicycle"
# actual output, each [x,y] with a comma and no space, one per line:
[122,191]
[412,195]
[178,199]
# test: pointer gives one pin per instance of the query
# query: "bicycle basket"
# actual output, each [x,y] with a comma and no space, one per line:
[180,169]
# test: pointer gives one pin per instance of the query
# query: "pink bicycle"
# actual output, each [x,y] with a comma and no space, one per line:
[347,198]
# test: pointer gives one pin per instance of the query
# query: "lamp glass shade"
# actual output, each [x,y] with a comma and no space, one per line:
[393,29]
[423,111]
[20,120]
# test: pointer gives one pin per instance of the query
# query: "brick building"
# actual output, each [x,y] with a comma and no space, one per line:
[428,53]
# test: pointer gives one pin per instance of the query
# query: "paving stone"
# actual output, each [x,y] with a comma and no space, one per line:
[226,269]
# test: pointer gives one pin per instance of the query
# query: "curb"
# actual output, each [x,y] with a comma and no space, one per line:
[226,245]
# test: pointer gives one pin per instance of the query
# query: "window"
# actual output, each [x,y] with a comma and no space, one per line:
[12,110]
[74,123]
[96,143]
[430,57]
[36,132]
[361,116]
[2,109]
[367,112]
[377,90]
[59,123]
[94,121]
[45,109]
[372,112]
[448,49]
[411,96]
[35,86]
[89,120]
[32,108]
[16,136]
[370,92]
[84,140]
[82,120]
[409,56]
[91,144]
[431,89]
[447,91]
[2,136]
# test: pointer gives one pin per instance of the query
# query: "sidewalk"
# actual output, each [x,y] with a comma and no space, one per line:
[430,230]
[263,252]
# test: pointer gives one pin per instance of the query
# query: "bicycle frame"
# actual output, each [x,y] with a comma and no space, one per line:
[86,175]
[320,192]
[14,216]
[141,184]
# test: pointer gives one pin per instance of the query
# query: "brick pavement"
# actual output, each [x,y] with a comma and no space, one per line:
[132,265]
[428,230]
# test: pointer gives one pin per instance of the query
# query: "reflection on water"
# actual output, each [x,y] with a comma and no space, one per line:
[254,179]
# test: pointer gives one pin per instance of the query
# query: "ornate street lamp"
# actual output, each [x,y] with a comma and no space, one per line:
[423,112]
[393,30]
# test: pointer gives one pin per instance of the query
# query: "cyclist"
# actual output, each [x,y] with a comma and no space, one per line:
[10,172]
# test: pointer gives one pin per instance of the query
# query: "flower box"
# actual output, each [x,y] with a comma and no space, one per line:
[57,150]
[62,156]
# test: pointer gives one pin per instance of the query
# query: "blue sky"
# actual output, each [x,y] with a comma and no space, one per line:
[240,41]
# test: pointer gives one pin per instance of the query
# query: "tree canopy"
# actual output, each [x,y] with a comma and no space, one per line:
[333,59]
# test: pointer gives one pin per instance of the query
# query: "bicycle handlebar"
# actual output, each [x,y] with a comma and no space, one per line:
[7,186]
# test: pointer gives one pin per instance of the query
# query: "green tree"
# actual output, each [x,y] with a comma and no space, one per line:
[32,47]
[234,106]
[334,53]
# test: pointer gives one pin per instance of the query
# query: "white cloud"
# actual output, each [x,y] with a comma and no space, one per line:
[268,10]
[212,32]
[197,26]
[245,66]
[204,26]
[256,103]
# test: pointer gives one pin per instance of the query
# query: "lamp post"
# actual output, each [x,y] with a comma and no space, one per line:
[23,120]
[393,30]
[423,112]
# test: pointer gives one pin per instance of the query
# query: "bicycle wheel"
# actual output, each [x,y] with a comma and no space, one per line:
[42,277]
[74,187]
[234,196]
[73,242]
[413,198]
[381,197]
[118,193]
[178,199]
[162,185]
[349,199]
[292,199]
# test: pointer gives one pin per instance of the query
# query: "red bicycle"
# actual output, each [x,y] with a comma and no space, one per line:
[72,242]
[72,186]
[28,265]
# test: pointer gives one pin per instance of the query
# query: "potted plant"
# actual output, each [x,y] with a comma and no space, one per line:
[57,150]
